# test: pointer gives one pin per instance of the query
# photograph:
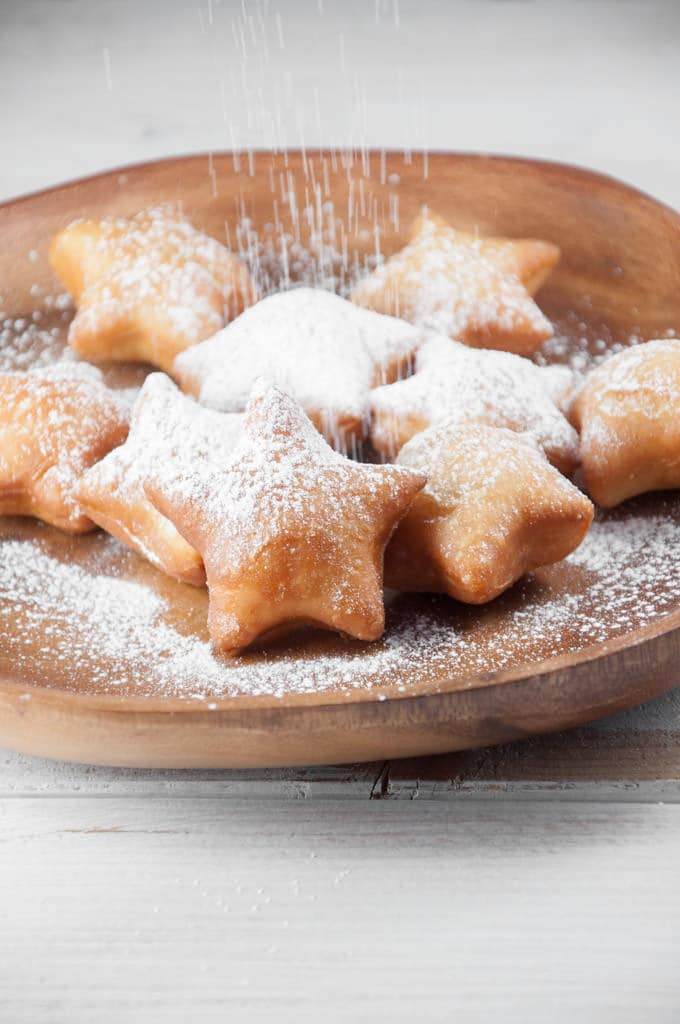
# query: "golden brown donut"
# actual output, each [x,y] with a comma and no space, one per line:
[476,290]
[54,424]
[492,510]
[453,383]
[628,413]
[165,424]
[148,287]
[290,531]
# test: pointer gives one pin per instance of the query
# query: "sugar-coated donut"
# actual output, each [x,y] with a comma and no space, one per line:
[55,423]
[290,531]
[474,289]
[492,510]
[453,383]
[147,287]
[323,351]
[628,413]
[165,424]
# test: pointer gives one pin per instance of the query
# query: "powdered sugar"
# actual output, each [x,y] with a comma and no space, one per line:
[322,350]
[454,383]
[93,615]
[25,345]
[445,281]
[87,622]
[640,373]
[165,425]
[156,256]
[57,420]
[465,466]
[281,481]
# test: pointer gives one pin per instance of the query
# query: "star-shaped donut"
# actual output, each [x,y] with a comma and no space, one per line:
[323,351]
[148,287]
[628,413]
[54,424]
[454,383]
[492,510]
[165,424]
[474,289]
[290,531]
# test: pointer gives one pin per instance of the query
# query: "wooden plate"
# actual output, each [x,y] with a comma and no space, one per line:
[104,660]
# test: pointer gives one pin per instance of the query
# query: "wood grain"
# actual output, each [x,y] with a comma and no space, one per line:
[226,909]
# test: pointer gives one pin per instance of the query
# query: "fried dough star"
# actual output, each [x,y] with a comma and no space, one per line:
[324,352]
[148,287]
[492,510]
[290,531]
[165,424]
[476,290]
[453,383]
[54,424]
[628,412]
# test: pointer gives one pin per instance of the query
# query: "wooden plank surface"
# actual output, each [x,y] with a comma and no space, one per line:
[256,910]
[631,756]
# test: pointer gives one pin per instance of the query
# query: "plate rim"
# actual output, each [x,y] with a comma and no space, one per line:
[481,155]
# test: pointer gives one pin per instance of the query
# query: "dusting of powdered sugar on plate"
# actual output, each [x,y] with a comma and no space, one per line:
[88,621]
[27,342]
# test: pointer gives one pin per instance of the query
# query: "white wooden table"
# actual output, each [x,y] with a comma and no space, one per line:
[532,880]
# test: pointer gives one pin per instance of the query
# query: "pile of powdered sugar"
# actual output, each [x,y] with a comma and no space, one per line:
[324,351]
[114,631]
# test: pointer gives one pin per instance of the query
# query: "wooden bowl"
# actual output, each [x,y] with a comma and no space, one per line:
[119,672]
